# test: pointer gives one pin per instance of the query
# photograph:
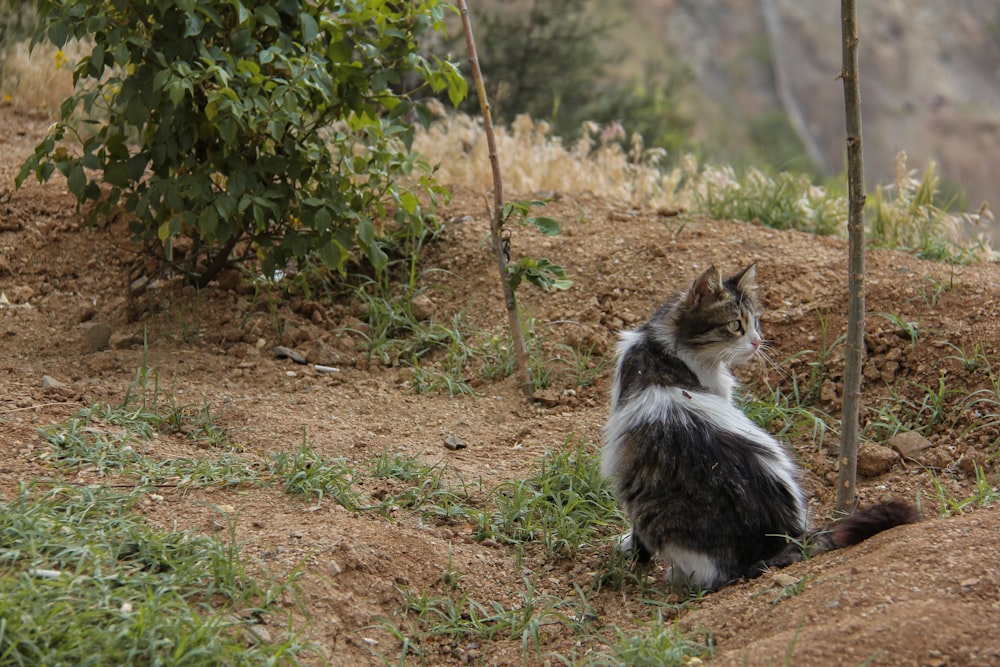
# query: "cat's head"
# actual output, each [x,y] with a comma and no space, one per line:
[717,319]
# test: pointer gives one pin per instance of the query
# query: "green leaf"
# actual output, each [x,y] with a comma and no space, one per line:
[208,221]
[332,255]
[268,16]
[194,25]
[59,33]
[322,219]
[377,257]
[309,28]
[409,202]
[546,225]
[76,180]
[163,231]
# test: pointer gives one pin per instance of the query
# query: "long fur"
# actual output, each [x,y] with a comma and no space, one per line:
[704,488]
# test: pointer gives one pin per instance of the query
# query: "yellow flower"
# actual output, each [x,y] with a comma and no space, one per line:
[60,59]
[7,98]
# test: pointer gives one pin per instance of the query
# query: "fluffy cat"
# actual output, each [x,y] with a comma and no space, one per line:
[704,488]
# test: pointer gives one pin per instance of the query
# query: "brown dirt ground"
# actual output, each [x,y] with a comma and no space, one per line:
[925,594]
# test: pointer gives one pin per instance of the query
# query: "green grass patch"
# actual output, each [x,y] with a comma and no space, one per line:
[84,581]
[563,505]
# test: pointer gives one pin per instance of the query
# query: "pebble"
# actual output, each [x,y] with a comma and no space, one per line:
[282,352]
[909,444]
[782,579]
[423,307]
[453,442]
[261,633]
[49,382]
[874,459]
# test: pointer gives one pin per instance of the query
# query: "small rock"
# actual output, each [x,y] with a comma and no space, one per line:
[874,460]
[423,307]
[260,633]
[226,509]
[910,444]
[453,442]
[323,354]
[49,382]
[547,397]
[97,337]
[334,568]
[828,391]
[782,579]
[282,352]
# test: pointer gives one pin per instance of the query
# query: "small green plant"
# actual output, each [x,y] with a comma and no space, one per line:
[933,288]
[278,125]
[785,591]
[985,495]
[818,371]
[307,474]
[423,488]
[908,329]
[908,216]
[496,357]
[784,415]
[662,644]
[972,359]
[562,506]
[782,201]
[107,440]
[426,618]
[933,407]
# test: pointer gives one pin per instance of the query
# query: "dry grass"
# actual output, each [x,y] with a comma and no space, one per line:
[39,79]
[532,161]
[903,215]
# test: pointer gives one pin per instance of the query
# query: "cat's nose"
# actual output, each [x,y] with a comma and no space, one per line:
[756,343]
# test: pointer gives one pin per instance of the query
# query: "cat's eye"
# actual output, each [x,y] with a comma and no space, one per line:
[735,326]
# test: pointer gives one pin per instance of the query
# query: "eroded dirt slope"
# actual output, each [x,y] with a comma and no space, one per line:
[920,595]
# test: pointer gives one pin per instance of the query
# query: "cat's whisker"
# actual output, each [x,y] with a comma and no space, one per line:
[768,362]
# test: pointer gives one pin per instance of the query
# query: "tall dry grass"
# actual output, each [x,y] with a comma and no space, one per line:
[533,161]
[39,79]
[905,214]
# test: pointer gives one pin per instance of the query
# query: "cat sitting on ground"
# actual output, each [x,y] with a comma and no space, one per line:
[705,489]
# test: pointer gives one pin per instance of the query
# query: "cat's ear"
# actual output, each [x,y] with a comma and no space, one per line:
[746,280]
[705,286]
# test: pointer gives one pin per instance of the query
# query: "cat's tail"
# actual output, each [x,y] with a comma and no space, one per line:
[864,523]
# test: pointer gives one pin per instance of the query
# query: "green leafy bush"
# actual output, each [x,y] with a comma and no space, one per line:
[260,129]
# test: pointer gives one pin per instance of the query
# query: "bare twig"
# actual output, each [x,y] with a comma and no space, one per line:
[497,212]
[848,464]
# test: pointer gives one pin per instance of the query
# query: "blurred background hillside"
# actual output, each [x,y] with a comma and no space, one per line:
[740,82]
[753,81]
